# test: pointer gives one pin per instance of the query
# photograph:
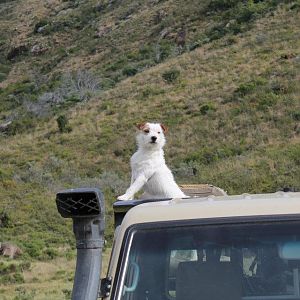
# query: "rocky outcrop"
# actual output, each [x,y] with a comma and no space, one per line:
[10,250]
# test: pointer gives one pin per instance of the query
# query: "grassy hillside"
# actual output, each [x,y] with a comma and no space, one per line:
[223,75]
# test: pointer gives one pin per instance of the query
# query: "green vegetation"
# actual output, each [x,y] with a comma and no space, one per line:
[171,75]
[12,272]
[228,89]
[62,123]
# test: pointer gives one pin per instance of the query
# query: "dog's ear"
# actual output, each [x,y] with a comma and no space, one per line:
[164,127]
[140,126]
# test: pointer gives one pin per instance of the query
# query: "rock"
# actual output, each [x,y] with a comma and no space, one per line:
[164,33]
[10,250]
[64,12]
[42,28]
[297,59]
[4,126]
[230,23]
[38,49]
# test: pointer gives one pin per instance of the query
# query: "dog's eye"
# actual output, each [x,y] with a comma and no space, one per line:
[159,132]
[146,130]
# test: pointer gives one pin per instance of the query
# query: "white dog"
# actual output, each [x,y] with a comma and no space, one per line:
[148,167]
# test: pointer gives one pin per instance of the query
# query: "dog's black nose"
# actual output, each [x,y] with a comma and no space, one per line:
[153,138]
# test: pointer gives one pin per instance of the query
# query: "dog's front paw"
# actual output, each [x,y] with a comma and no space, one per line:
[124,197]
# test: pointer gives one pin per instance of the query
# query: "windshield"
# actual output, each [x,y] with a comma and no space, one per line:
[213,262]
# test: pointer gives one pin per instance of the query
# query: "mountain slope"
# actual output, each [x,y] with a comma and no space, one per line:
[231,103]
[223,76]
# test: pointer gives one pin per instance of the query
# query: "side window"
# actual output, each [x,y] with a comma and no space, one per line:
[177,257]
[192,255]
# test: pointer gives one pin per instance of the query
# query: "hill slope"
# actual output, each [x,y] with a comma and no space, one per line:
[229,93]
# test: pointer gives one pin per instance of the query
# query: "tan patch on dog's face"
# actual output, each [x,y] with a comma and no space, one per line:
[144,127]
[164,127]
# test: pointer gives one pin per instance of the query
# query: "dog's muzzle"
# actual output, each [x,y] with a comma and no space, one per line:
[153,139]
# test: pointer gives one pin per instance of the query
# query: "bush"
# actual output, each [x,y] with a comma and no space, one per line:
[50,253]
[67,293]
[245,88]
[25,123]
[12,278]
[220,5]
[171,76]
[23,294]
[73,87]
[129,71]
[34,248]
[206,108]
[63,124]
[162,50]
[5,219]
[2,76]
[296,115]
[267,100]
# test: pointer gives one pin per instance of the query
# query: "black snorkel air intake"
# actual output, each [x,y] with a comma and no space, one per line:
[86,207]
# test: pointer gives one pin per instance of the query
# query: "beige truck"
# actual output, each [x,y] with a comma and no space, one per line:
[207,247]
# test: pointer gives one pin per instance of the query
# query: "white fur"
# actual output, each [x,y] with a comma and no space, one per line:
[149,170]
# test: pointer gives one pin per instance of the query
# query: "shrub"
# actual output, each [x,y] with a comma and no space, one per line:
[129,71]
[162,50]
[220,5]
[171,76]
[267,100]
[23,294]
[245,88]
[2,76]
[5,219]
[34,248]
[296,115]
[50,253]
[67,293]
[61,274]
[18,278]
[73,87]
[206,108]
[145,52]
[25,123]
[149,91]
[63,124]
[12,278]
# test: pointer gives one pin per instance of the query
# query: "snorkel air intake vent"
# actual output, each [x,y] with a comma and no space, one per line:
[86,207]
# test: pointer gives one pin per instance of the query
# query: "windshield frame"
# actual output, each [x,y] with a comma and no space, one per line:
[118,281]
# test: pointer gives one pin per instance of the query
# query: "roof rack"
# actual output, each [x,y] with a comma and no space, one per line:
[191,190]
[122,207]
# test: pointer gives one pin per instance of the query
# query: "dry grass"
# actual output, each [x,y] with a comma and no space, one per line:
[52,280]
[233,116]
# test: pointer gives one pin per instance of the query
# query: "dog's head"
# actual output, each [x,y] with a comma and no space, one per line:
[151,135]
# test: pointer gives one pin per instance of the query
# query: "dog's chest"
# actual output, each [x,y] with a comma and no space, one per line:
[141,162]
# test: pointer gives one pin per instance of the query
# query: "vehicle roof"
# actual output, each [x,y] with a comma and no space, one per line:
[278,203]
